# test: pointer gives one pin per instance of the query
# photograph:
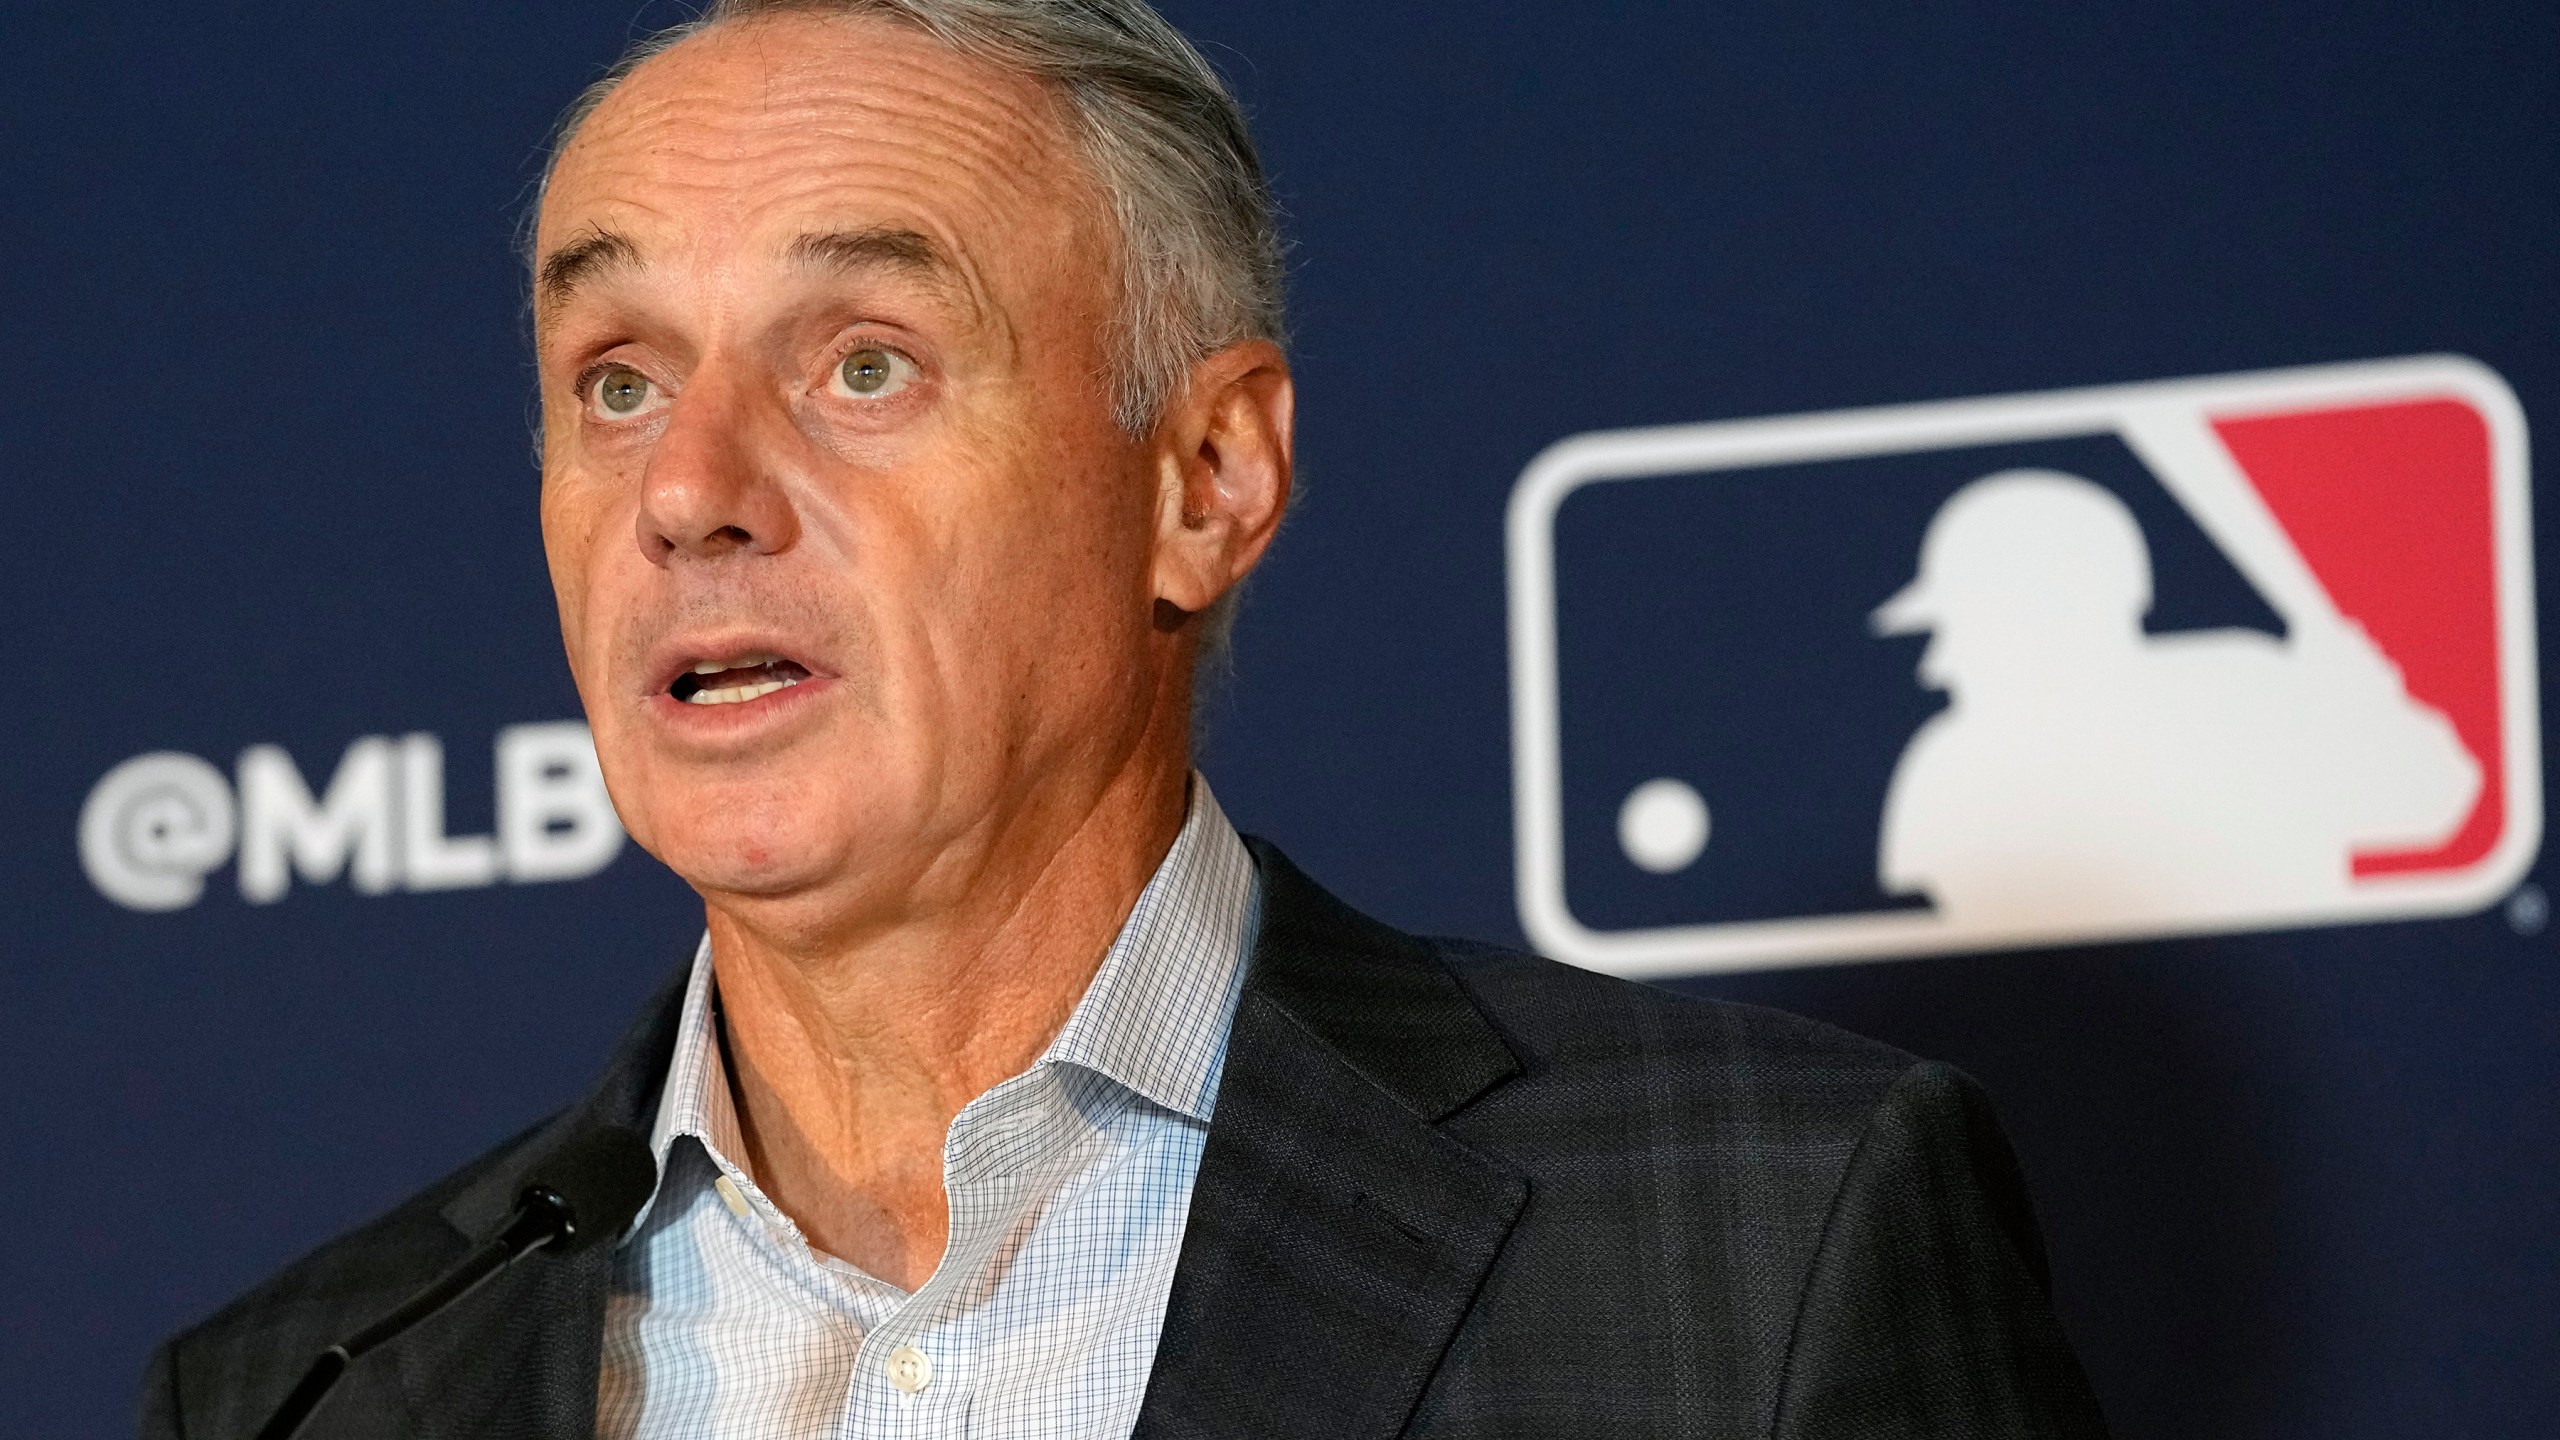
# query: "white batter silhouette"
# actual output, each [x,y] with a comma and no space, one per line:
[2087,773]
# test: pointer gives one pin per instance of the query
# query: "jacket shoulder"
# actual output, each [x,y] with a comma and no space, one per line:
[223,1375]
[226,1372]
[1571,1024]
[1686,1160]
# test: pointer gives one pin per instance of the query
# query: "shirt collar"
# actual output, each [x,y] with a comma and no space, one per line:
[1156,1017]
[1154,1020]
[697,1100]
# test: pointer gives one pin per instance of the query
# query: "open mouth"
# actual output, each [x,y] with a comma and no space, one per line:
[736,681]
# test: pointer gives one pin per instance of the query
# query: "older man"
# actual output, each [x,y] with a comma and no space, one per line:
[913,407]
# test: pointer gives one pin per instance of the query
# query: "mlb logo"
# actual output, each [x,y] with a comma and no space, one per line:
[2235,653]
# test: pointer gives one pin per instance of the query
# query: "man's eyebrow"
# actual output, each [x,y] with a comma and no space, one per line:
[884,248]
[578,262]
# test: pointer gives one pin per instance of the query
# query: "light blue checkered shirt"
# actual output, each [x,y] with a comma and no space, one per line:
[1068,1185]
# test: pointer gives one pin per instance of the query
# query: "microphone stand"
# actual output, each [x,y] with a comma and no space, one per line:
[596,1182]
[541,1217]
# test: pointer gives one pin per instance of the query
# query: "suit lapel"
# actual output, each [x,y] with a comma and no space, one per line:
[518,1360]
[1336,1236]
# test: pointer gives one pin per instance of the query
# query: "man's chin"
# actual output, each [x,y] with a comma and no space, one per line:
[755,872]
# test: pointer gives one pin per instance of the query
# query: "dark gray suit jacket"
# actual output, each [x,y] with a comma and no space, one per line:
[1449,1191]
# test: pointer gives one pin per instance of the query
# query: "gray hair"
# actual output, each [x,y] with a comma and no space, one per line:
[1199,253]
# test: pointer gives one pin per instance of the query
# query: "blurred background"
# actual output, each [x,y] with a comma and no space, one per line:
[265,427]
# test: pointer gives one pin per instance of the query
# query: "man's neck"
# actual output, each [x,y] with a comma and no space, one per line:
[849,1067]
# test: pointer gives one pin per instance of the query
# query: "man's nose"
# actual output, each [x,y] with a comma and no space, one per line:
[712,487]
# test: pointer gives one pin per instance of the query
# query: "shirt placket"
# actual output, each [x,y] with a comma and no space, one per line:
[918,1370]
[759,1236]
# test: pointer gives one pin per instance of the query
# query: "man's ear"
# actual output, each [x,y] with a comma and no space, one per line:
[1222,455]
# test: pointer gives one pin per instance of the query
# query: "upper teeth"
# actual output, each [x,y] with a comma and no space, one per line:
[736,693]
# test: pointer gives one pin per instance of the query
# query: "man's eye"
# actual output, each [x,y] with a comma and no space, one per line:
[874,374]
[622,391]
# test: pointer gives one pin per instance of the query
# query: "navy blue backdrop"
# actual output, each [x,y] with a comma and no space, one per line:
[264,435]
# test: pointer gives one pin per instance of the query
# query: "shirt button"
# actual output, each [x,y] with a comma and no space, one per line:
[730,1196]
[910,1369]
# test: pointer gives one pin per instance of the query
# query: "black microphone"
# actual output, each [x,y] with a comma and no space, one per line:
[586,1191]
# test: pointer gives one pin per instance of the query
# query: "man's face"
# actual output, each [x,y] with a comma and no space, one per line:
[852,561]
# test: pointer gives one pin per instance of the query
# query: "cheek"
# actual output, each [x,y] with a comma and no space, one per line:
[1069,572]
[576,533]
[1089,520]
[564,552]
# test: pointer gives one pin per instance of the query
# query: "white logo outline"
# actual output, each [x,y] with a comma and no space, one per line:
[2151,416]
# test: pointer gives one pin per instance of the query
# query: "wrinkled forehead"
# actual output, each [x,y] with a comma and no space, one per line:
[731,149]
